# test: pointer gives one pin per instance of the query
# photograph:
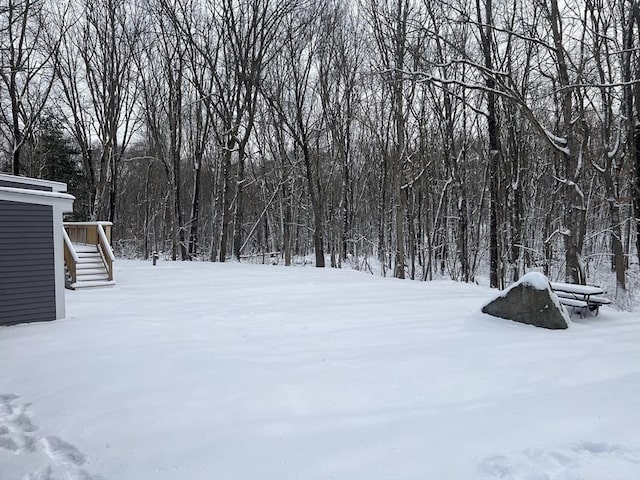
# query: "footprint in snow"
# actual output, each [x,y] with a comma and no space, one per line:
[82,475]
[62,451]
[8,397]
[10,444]
[27,444]
[14,416]
[43,474]
[15,425]
[47,474]
[5,409]
[562,463]
[22,422]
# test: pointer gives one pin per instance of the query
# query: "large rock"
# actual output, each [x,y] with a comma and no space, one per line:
[530,300]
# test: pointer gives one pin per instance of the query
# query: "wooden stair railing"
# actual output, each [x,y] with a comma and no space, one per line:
[71,259]
[106,251]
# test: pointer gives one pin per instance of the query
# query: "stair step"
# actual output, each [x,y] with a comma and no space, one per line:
[94,259]
[89,265]
[87,252]
[91,271]
[92,284]
[91,276]
[84,248]
[89,260]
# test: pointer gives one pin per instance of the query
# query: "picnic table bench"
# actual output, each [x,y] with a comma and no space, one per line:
[581,297]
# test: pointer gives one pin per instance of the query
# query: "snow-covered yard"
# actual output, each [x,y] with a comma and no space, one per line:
[229,371]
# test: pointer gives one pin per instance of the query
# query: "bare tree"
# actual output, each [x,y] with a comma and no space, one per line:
[289,93]
[163,96]
[340,58]
[29,39]
[632,98]
[99,93]
[396,42]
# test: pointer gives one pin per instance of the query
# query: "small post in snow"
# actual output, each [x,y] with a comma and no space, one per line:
[154,256]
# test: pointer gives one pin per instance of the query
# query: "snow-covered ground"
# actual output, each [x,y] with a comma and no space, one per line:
[230,371]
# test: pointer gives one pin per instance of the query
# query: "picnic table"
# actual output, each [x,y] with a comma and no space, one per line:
[581,297]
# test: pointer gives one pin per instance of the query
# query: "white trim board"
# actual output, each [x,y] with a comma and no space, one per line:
[55,186]
[38,197]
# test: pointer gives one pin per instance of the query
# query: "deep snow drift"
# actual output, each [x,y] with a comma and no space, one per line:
[230,371]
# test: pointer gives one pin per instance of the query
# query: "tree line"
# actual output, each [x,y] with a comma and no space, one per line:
[417,138]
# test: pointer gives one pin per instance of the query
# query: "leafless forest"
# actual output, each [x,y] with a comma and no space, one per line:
[416,138]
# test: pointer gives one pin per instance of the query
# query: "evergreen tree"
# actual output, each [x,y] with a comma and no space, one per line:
[55,157]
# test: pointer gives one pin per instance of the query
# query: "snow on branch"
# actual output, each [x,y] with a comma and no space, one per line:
[559,143]
[415,179]
[574,86]
[564,231]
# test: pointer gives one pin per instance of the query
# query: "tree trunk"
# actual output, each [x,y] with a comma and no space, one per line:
[494,149]
[316,204]
[195,212]
[16,152]
[616,242]
[15,118]
[636,197]
[399,217]
[400,145]
[346,206]
[634,118]
[239,207]
[412,233]
[382,213]
[113,192]
[225,203]
[286,222]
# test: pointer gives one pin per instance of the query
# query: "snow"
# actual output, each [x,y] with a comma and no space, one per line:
[29,182]
[234,371]
[557,142]
[535,280]
[36,193]
[92,224]
[578,289]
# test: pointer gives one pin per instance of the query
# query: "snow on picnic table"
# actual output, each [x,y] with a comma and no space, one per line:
[233,371]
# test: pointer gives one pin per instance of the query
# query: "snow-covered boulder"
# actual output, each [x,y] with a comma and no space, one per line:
[530,300]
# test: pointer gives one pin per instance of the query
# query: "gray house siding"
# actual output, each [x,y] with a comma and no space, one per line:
[9,183]
[27,274]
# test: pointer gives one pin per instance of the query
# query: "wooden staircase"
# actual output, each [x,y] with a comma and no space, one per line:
[88,255]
